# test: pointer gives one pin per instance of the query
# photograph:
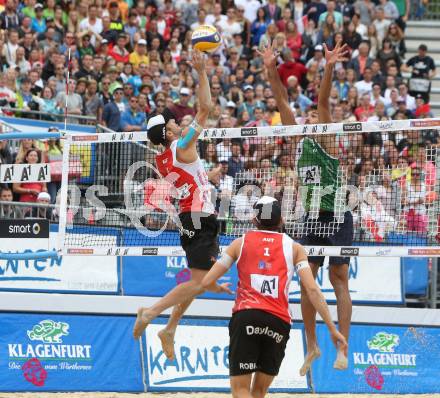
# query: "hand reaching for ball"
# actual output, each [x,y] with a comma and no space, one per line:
[197,61]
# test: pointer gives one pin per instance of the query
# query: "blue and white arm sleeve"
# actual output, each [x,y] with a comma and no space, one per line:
[194,128]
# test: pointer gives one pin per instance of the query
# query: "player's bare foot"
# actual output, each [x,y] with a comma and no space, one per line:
[167,340]
[341,362]
[310,357]
[142,320]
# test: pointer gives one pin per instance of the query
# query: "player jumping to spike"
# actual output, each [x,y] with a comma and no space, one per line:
[319,155]
[180,165]
[260,323]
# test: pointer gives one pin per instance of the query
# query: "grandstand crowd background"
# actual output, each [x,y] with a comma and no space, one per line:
[129,60]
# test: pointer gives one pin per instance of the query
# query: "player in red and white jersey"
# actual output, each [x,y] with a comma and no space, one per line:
[260,324]
[179,164]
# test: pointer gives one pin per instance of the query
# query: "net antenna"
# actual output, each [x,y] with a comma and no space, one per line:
[27,255]
[384,222]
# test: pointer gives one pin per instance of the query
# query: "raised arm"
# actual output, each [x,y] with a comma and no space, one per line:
[270,55]
[186,145]
[331,57]
[315,295]
[324,114]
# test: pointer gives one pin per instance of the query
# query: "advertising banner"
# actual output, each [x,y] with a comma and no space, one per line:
[68,353]
[201,363]
[158,275]
[370,281]
[382,359]
[94,274]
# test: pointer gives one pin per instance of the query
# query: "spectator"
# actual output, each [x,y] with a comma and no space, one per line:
[28,191]
[361,61]
[272,11]
[331,10]
[7,210]
[181,107]
[314,10]
[9,18]
[119,53]
[235,162]
[396,36]
[38,22]
[111,115]
[365,86]
[290,67]
[133,119]
[405,97]
[9,50]
[229,27]
[422,68]
[381,23]
[414,201]
[72,99]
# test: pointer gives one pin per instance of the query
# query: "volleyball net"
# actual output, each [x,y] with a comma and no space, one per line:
[113,200]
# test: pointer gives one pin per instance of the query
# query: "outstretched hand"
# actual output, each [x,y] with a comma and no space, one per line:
[197,61]
[338,54]
[269,55]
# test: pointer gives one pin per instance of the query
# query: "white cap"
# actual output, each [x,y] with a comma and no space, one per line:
[43,196]
[247,87]
[155,121]
[231,104]
[142,42]
[318,47]
[185,91]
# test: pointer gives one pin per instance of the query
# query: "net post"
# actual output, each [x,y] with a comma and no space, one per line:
[433,297]
[63,199]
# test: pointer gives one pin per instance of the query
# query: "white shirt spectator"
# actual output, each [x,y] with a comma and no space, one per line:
[250,8]
[9,51]
[381,28]
[374,101]
[363,87]
[410,102]
[228,30]
[95,28]
[212,20]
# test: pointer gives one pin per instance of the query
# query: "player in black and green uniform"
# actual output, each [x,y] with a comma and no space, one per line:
[317,167]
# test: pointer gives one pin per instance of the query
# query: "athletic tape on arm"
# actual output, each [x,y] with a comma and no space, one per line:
[301,265]
[226,260]
[183,142]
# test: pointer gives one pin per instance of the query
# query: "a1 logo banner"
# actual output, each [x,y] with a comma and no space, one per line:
[382,359]
[68,353]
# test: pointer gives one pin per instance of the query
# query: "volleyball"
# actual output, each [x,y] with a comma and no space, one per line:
[206,38]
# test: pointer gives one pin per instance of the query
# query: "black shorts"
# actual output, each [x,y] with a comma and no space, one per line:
[257,342]
[342,237]
[200,244]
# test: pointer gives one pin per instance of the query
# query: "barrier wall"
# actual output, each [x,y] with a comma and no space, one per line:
[51,352]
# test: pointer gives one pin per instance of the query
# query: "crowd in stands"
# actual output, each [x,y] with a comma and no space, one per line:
[121,61]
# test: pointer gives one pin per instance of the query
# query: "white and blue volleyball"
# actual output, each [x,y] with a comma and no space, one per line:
[206,38]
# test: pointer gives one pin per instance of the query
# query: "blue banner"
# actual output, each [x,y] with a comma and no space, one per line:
[156,276]
[382,359]
[416,275]
[68,353]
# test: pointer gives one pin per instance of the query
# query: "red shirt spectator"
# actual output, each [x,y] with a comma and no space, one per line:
[291,68]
